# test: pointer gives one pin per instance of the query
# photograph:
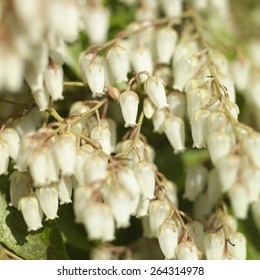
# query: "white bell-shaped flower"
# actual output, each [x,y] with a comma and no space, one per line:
[155,90]
[93,220]
[187,250]
[195,181]
[31,211]
[53,80]
[196,229]
[49,201]
[228,83]
[214,245]
[171,193]
[119,202]
[19,182]
[251,179]
[148,108]
[128,181]
[199,128]
[142,207]
[97,24]
[232,108]
[119,63]
[166,39]
[177,103]
[219,145]
[254,90]
[65,189]
[101,135]
[65,153]
[217,121]
[129,106]
[172,8]
[214,187]
[95,75]
[184,70]
[238,196]
[12,139]
[159,211]
[41,98]
[82,197]
[4,160]
[168,239]
[53,170]
[142,61]
[255,210]
[25,126]
[202,208]
[145,174]
[237,246]
[228,168]
[108,225]
[39,166]
[159,118]
[57,50]
[252,146]
[95,168]
[134,151]
[174,130]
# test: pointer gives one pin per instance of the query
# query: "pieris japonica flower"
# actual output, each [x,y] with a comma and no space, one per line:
[159,211]
[214,246]
[196,229]
[148,108]
[172,8]
[134,155]
[187,250]
[195,182]
[119,63]
[166,39]
[174,130]
[57,50]
[171,192]
[237,246]
[102,135]
[4,161]
[128,181]
[49,200]
[177,103]
[250,177]
[155,90]
[252,146]
[129,106]
[159,118]
[145,174]
[199,128]
[255,210]
[168,239]
[240,70]
[142,61]
[239,201]
[96,21]
[95,168]
[95,76]
[12,140]
[214,187]
[65,189]
[53,80]
[227,82]
[19,182]
[65,153]
[41,97]
[31,212]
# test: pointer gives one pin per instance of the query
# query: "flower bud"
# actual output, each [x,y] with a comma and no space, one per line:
[145,174]
[155,89]
[166,39]
[129,106]
[31,211]
[95,76]
[159,211]
[187,250]
[48,198]
[237,246]
[168,239]
[214,245]
[119,63]
[174,130]
[195,182]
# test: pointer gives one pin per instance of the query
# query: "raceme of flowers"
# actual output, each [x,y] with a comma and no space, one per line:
[164,70]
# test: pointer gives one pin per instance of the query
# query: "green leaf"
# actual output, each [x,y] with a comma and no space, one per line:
[43,244]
